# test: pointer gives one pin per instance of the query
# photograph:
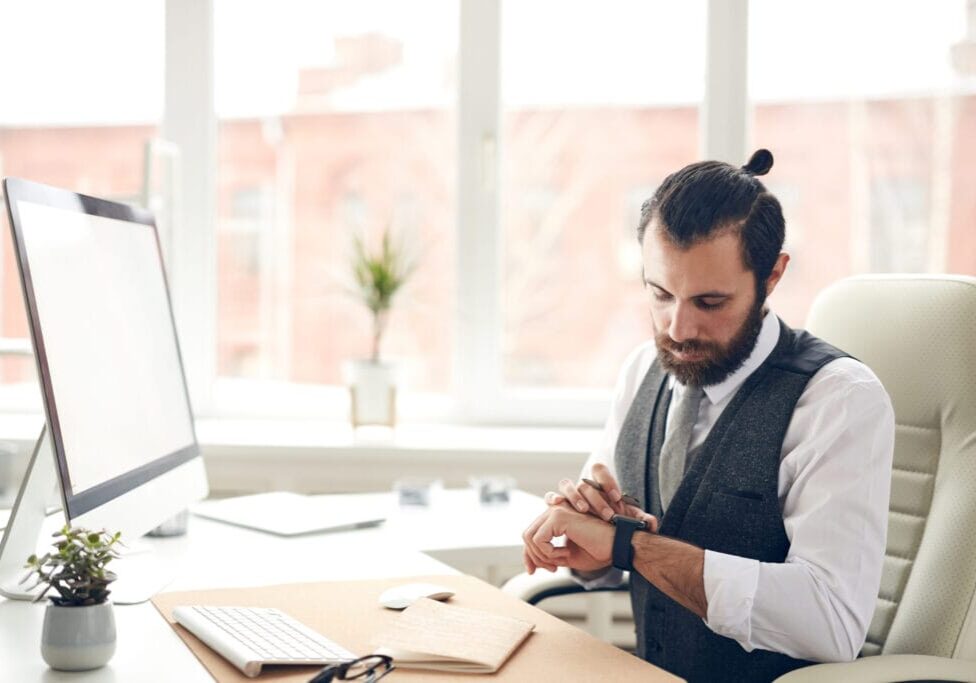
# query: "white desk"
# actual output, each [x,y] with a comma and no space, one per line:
[216,555]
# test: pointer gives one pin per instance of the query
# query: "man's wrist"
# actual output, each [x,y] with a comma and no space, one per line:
[622,554]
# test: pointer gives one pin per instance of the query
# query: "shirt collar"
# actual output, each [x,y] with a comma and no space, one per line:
[765,343]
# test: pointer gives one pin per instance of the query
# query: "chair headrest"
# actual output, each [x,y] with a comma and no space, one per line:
[916,332]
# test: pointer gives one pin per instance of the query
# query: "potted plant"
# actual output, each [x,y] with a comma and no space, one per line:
[79,625]
[378,275]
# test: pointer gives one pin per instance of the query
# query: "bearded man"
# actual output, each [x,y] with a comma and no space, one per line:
[744,474]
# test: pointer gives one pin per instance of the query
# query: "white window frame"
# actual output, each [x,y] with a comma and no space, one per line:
[480,397]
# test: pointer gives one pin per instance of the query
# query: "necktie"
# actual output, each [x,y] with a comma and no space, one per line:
[674,452]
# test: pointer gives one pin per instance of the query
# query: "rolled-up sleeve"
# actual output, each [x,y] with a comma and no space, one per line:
[730,586]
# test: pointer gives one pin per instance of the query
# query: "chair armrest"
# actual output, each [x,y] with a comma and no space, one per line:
[534,588]
[886,669]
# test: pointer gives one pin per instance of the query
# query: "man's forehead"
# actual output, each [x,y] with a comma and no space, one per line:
[717,260]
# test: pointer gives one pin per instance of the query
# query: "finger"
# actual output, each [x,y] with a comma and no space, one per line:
[596,498]
[597,501]
[536,562]
[606,479]
[558,555]
[621,508]
[652,523]
[533,555]
[638,513]
[537,554]
[572,494]
[539,559]
[550,551]
[553,498]
[533,527]
[527,561]
[548,530]
[625,504]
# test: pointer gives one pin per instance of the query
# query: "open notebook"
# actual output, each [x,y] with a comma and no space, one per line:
[432,635]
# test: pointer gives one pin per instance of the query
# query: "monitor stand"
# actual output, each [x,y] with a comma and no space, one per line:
[140,577]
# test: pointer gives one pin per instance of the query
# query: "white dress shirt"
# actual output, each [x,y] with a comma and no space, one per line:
[834,483]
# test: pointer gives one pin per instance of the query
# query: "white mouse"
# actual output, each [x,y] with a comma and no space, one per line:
[404,595]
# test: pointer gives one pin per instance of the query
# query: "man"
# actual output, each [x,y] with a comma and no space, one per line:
[761,456]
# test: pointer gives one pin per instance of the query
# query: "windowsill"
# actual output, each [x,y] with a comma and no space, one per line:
[315,456]
[224,437]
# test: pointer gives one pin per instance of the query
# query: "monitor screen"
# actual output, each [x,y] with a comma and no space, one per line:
[107,351]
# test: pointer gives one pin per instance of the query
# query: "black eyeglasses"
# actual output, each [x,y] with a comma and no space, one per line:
[371,668]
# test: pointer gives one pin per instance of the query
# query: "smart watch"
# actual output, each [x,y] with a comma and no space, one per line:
[623,551]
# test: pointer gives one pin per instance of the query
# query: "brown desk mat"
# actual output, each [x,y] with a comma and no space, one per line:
[348,613]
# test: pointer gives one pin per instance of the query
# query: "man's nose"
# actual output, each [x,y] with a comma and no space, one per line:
[683,324]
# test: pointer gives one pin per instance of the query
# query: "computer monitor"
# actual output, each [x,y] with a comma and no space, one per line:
[118,418]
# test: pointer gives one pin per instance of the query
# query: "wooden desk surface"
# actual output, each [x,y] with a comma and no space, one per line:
[348,612]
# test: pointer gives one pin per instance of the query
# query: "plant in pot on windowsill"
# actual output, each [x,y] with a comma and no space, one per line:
[378,276]
[79,625]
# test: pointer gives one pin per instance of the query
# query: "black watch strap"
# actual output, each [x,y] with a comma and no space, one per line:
[623,551]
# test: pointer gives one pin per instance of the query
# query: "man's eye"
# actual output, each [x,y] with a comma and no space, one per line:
[709,304]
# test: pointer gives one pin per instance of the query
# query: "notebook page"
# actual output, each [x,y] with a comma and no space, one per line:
[453,633]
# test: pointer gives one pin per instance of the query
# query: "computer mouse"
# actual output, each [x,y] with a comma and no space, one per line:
[404,595]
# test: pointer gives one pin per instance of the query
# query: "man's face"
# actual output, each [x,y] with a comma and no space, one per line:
[704,308]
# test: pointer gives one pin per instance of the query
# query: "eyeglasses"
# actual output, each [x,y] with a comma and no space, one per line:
[370,667]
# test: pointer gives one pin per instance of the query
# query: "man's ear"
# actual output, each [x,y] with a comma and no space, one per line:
[778,269]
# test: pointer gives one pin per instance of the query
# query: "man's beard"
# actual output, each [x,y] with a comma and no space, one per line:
[719,361]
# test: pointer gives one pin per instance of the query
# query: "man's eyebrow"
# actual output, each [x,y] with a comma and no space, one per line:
[703,295]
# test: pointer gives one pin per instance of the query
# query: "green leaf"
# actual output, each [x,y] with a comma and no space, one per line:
[76,570]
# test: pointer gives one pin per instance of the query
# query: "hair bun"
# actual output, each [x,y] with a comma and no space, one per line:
[759,163]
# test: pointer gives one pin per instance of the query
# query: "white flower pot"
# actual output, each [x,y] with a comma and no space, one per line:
[372,389]
[78,638]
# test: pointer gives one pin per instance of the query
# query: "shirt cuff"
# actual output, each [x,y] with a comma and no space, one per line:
[730,588]
[610,578]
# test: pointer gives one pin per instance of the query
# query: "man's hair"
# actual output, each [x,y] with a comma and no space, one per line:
[709,197]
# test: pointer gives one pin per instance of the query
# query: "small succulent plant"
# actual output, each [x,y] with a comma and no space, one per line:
[75,569]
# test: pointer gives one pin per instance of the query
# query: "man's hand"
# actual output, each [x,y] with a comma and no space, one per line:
[589,541]
[589,537]
[603,500]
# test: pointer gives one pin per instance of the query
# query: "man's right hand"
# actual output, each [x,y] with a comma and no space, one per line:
[582,496]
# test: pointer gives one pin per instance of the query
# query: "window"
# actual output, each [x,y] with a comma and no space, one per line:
[511,144]
[342,123]
[74,115]
[599,102]
[874,132]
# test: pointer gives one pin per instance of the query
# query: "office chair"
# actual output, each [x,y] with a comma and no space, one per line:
[918,334]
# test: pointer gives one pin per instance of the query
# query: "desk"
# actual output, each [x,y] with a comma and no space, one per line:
[216,555]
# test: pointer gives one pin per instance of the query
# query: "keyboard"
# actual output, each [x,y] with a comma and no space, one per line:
[250,637]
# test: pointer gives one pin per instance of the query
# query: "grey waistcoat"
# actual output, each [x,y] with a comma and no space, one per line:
[728,502]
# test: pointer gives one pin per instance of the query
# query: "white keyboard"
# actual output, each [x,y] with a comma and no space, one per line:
[250,637]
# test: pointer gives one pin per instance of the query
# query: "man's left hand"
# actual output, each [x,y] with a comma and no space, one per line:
[589,540]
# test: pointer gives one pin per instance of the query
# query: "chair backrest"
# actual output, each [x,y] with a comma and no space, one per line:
[918,334]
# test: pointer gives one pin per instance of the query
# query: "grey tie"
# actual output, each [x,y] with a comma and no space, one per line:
[674,452]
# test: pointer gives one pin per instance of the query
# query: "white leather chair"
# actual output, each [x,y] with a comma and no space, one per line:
[918,334]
